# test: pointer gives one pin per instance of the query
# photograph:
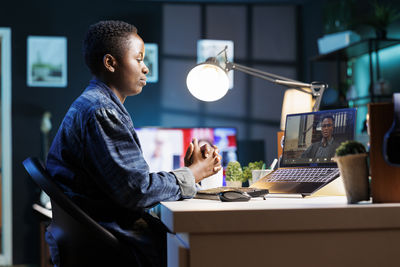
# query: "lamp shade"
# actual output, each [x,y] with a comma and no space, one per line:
[295,101]
[207,82]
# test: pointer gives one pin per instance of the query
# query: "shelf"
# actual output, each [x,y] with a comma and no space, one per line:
[357,49]
[376,98]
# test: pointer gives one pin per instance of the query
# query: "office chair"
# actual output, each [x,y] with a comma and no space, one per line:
[81,240]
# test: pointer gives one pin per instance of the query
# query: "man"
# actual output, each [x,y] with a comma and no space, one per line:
[96,156]
[326,148]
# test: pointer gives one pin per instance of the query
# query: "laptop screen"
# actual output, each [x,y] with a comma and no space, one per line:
[311,138]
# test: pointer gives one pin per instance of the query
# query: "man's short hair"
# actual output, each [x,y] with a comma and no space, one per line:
[105,37]
[327,117]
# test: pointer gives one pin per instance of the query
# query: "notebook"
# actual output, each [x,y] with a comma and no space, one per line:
[310,143]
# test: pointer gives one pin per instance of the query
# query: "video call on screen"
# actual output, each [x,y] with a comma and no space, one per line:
[304,135]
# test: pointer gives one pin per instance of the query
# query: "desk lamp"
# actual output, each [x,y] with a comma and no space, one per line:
[208,81]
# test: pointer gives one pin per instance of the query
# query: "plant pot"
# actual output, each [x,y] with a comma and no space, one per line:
[234,183]
[354,171]
[381,34]
[257,175]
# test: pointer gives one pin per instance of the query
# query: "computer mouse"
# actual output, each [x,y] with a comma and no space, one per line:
[234,196]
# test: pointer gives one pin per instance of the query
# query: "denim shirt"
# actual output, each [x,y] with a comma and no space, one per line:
[97,160]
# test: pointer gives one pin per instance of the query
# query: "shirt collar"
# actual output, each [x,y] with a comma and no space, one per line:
[106,90]
[329,141]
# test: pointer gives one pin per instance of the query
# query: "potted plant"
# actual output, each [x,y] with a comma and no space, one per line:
[234,174]
[351,158]
[339,26]
[383,14]
[248,170]
[338,16]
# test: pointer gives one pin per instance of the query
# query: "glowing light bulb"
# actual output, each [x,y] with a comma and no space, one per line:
[207,82]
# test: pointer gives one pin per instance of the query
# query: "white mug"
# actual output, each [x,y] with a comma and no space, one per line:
[213,181]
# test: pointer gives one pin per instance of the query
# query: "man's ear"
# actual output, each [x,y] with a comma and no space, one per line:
[109,62]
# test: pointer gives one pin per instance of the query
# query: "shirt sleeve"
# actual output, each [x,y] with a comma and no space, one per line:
[186,182]
[114,157]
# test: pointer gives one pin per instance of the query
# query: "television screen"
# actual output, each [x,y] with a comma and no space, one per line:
[164,148]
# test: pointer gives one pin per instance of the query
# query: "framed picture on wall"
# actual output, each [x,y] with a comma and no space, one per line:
[46,61]
[151,61]
[210,48]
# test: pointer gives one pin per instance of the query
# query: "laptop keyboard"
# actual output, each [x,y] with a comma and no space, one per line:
[303,175]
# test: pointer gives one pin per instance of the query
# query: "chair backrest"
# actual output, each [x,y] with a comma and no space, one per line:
[81,240]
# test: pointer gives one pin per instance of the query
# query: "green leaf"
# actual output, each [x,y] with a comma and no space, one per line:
[234,171]
[350,147]
[247,171]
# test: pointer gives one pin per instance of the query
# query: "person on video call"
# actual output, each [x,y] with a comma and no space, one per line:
[325,148]
[96,156]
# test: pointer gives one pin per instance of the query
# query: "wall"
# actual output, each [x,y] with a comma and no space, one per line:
[254,105]
[70,19]
[263,39]
[331,73]
[266,37]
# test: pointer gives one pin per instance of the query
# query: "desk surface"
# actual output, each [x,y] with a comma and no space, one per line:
[336,233]
[277,214]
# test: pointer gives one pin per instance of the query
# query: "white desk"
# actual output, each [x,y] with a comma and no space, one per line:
[316,231]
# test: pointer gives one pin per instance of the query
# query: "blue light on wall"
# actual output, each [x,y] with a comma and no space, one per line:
[389,72]
[361,82]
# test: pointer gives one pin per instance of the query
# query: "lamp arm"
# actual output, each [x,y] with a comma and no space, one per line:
[270,77]
[296,85]
[264,75]
[317,88]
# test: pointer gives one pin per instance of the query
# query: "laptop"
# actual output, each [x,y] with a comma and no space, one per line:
[310,143]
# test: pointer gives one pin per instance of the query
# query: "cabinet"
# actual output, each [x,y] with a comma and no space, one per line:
[355,50]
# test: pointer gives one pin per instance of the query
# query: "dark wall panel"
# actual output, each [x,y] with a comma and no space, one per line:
[70,19]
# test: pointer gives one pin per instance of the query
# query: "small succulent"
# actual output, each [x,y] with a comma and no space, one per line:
[234,171]
[257,165]
[350,147]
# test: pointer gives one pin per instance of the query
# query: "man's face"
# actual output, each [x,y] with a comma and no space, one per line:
[131,71]
[327,128]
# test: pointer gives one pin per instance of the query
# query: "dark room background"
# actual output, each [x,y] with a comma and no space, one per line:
[274,36]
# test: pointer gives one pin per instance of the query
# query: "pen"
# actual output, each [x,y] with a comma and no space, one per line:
[273,164]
